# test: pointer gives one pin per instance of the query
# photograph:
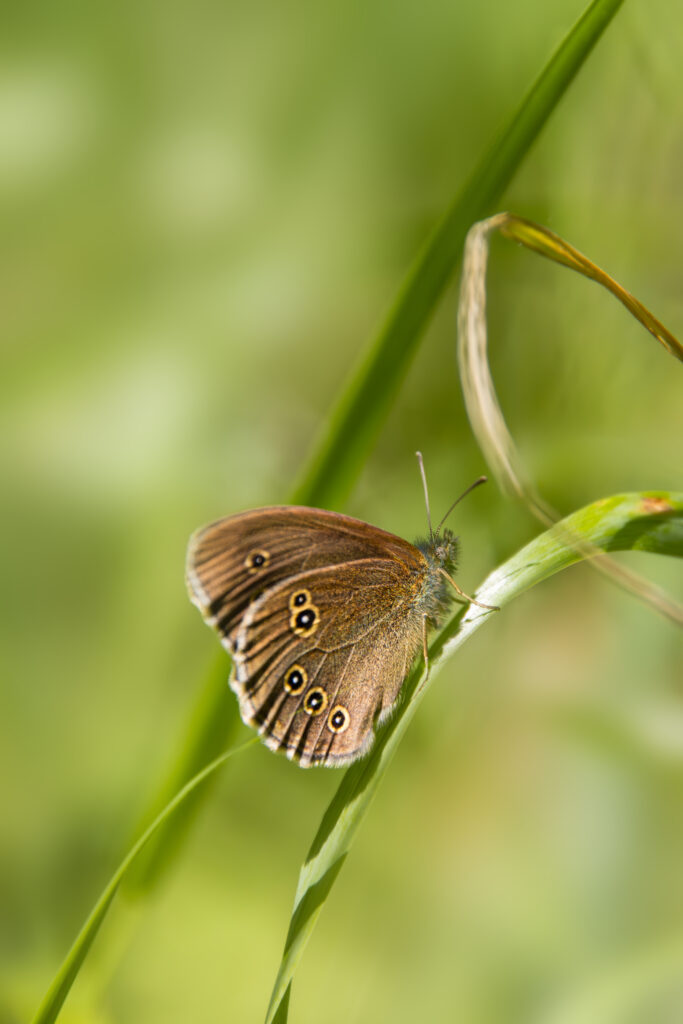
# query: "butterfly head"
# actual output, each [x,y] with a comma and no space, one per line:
[440,550]
[445,550]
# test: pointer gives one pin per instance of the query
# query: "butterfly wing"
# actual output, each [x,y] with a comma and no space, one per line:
[233,561]
[321,657]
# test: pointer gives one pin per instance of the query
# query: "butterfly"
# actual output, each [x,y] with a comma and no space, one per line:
[323,616]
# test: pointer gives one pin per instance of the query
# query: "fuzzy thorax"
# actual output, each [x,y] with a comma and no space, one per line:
[441,553]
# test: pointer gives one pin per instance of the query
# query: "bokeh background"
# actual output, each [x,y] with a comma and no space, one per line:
[207,209]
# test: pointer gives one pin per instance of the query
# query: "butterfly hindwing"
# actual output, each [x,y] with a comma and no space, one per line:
[321,656]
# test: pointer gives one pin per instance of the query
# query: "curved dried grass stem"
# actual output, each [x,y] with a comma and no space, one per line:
[483,408]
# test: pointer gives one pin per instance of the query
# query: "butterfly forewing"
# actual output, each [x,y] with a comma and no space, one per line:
[234,560]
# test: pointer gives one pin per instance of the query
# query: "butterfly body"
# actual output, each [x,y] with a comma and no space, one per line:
[323,616]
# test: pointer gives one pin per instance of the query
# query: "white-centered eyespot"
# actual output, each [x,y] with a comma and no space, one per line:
[256,561]
[339,719]
[305,621]
[315,701]
[296,678]
[299,599]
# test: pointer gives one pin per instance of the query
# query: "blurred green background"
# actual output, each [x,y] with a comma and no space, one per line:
[207,209]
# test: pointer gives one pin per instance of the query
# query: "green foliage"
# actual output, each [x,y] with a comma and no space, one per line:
[363,405]
[64,979]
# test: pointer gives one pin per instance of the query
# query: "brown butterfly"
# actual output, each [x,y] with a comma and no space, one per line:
[323,616]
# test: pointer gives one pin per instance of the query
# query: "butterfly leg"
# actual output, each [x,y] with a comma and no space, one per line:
[425,654]
[425,649]
[466,597]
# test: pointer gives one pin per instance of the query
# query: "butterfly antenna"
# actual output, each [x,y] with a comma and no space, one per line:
[424,484]
[481,480]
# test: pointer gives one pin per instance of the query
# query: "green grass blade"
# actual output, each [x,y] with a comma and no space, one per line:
[211,728]
[644,521]
[67,973]
[357,418]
